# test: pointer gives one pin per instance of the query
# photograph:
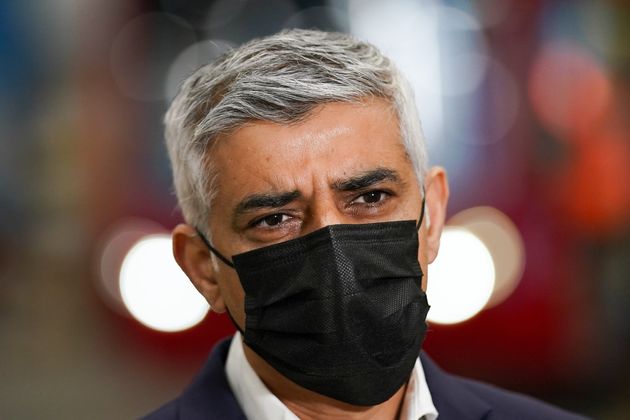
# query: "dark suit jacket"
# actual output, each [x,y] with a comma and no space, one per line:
[210,397]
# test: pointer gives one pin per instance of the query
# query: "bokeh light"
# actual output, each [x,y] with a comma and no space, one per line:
[139,67]
[156,291]
[490,12]
[461,279]
[239,21]
[223,12]
[499,91]
[190,59]
[326,18]
[594,187]
[444,53]
[113,246]
[504,242]
[569,90]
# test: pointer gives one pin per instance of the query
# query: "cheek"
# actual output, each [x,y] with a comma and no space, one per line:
[233,294]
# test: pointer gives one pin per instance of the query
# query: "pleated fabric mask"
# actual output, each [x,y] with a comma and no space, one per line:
[339,311]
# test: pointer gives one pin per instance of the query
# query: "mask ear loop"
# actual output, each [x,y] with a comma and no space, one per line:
[228,263]
[213,249]
[421,211]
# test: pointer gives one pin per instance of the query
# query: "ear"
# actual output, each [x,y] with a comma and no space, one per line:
[436,200]
[193,257]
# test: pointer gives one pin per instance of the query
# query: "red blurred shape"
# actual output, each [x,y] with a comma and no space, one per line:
[568,89]
[594,188]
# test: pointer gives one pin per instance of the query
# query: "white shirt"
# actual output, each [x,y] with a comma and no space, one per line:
[258,402]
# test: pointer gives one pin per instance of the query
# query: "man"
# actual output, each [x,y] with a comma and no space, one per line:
[300,167]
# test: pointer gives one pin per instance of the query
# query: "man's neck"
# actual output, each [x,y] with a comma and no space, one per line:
[307,404]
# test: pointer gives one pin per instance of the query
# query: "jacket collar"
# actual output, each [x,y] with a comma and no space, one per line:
[210,395]
[450,395]
[210,392]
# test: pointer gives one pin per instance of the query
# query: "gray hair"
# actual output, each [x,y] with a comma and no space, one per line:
[280,78]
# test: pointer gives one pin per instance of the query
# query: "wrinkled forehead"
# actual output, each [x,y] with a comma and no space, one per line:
[340,130]
[322,126]
[336,140]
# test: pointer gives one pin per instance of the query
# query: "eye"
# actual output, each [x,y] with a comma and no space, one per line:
[371,197]
[271,220]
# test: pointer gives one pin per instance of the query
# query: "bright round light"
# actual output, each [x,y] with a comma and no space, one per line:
[505,243]
[156,291]
[461,278]
[112,249]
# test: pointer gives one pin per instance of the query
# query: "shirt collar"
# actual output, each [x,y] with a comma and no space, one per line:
[418,403]
[258,402]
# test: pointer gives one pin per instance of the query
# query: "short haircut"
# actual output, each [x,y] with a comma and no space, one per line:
[281,79]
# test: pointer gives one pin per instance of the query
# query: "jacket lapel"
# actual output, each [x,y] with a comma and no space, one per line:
[209,396]
[450,395]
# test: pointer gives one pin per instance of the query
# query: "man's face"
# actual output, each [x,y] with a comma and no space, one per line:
[344,164]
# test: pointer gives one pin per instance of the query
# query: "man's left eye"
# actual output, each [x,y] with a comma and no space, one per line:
[272,220]
[371,197]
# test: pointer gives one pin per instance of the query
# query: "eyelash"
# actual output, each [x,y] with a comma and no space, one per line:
[384,195]
[258,222]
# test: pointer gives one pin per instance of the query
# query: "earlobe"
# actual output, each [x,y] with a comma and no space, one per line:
[194,259]
[437,198]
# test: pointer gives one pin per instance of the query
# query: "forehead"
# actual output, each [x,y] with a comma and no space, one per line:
[334,141]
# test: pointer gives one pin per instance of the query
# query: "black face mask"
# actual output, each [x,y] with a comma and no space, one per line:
[339,311]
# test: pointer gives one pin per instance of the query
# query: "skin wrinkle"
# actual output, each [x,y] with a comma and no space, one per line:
[265,200]
[270,200]
[302,147]
[295,181]
[366,179]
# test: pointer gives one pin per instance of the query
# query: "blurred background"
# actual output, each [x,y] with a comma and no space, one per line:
[524,102]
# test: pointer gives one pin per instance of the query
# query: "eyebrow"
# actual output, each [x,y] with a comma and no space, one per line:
[265,200]
[275,200]
[366,179]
